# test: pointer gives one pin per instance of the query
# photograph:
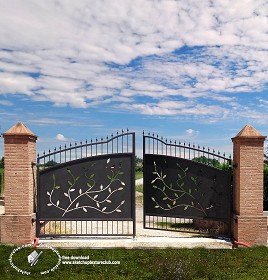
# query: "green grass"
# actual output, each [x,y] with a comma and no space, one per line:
[200,263]
[175,225]
[139,188]
[139,175]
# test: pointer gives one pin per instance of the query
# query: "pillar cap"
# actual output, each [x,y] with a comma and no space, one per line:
[19,129]
[249,131]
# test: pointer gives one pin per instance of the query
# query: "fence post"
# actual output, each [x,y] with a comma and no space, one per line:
[18,223]
[248,223]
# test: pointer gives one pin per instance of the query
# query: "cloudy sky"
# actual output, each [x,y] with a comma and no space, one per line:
[189,70]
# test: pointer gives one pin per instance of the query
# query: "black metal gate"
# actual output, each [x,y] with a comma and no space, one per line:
[186,188]
[88,189]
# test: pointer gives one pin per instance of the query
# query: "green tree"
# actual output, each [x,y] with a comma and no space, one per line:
[50,163]
[138,164]
[2,163]
[208,161]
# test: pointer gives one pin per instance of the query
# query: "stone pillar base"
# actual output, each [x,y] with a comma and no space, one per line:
[250,230]
[17,229]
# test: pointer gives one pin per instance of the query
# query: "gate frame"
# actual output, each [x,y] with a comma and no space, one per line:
[185,151]
[20,158]
[109,147]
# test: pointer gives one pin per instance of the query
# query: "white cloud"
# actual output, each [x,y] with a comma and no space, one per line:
[190,133]
[6,103]
[77,53]
[61,137]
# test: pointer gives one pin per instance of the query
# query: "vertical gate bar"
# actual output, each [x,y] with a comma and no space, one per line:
[96,147]
[122,141]
[117,142]
[133,185]
[127,140]
[157,145]
[60,154]
[144,177]
[189,150]
[149,143]
[112,144]
[166,147]
[107,145]
[37,199]
[91,147]
[153,144]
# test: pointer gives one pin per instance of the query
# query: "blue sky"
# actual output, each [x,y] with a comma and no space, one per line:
[193,71]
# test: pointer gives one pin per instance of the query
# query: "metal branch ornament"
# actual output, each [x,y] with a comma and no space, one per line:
[172,200]
[91,191]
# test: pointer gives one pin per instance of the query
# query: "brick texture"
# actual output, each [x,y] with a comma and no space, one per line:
[18,222]
[248,223]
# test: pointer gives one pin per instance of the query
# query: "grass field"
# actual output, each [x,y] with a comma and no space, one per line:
[161,264]
[139,175]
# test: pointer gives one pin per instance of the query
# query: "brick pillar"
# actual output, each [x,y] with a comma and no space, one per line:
[248,224]
[18,222]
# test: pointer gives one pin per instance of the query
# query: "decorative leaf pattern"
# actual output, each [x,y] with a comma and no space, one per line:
[173,195]
[97,198]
